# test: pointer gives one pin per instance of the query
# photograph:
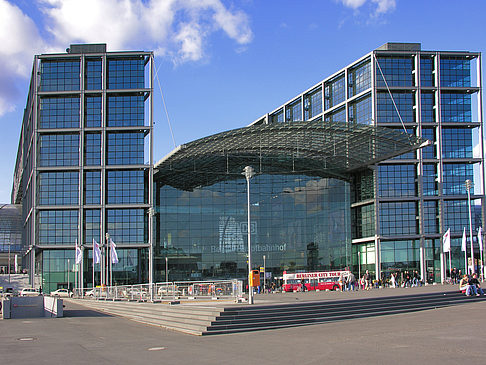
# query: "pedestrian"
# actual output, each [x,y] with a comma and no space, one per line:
[464,285]
[474,286]
[351,281]
[302,285]
[454,276]
[393,283]
[367,280]
[407,282]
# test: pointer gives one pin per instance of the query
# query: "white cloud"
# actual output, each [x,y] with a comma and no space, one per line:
[382,6]
[354,4]
[18,37]
[173,28]
[190,39]
[180,27]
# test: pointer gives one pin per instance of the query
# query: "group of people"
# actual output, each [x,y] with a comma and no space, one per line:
[347,282]
[470,285]
[409,279]
[456,276]
[350,283]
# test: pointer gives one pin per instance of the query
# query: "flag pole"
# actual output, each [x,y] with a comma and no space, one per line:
[464,248]
[111,266]
[76,266]
[480,243]
[93,264]
[450,265]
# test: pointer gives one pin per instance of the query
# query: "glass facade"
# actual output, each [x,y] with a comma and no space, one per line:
[59,112]
[126,73]
[57,227]
[386,111]
[58,150]
[125,148]
[359,112]
[92,149]
[455,72]
[126,187]
[397,180]
[58,188]
[81,132]
[397,71]
[400,256]
[93,111]
[60,75]
[94,74]
[388,218]
[299,223]
[10,235]
[125,111]
[456,107]
[413,198]
[312,104]
[359,78]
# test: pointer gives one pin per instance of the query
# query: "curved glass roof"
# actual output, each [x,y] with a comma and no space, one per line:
[314,148]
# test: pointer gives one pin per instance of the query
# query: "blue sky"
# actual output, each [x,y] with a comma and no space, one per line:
[222,64]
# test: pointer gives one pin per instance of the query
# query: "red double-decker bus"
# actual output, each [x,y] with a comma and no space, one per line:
[319,280]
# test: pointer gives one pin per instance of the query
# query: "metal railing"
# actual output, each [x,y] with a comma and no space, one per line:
[174,290]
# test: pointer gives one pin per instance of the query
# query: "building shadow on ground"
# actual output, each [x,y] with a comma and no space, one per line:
[84,313]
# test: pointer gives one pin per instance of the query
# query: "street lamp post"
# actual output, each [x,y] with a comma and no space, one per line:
[9,244]
[151,213]
[359,265]
[249,173]
[264,274]
[469,184]
[107,236]
[166,269]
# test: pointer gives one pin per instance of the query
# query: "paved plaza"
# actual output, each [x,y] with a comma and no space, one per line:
[452,335]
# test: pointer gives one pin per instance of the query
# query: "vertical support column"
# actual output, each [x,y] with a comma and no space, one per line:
[438,115]
[104,146]
[150,183]
[375,171]
[481,138]
[420,170]
[33,176]
[302,111]
[82,103]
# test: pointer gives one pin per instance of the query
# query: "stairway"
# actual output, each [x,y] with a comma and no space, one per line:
[192,319]
[256,318]
[211,320]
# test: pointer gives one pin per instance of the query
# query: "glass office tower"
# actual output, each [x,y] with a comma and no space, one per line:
[10,238]
[84,165]
[401,209]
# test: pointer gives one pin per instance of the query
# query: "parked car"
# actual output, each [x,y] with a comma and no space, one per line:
[62,293]
[89,293]
[29,292]
[8,291]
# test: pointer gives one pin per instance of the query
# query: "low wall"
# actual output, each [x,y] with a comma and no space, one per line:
[31,307]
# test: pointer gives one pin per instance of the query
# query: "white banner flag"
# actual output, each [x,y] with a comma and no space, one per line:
[464,243]
[79,253]
[96,252]
[480,239]
[446,241]
[113,254]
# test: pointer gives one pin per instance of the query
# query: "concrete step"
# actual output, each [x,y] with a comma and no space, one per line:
[205,320]
[261,319]
[328,308]
[188,320]
[159,310]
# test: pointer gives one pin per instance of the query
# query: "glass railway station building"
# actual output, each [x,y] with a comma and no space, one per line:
[338,183]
